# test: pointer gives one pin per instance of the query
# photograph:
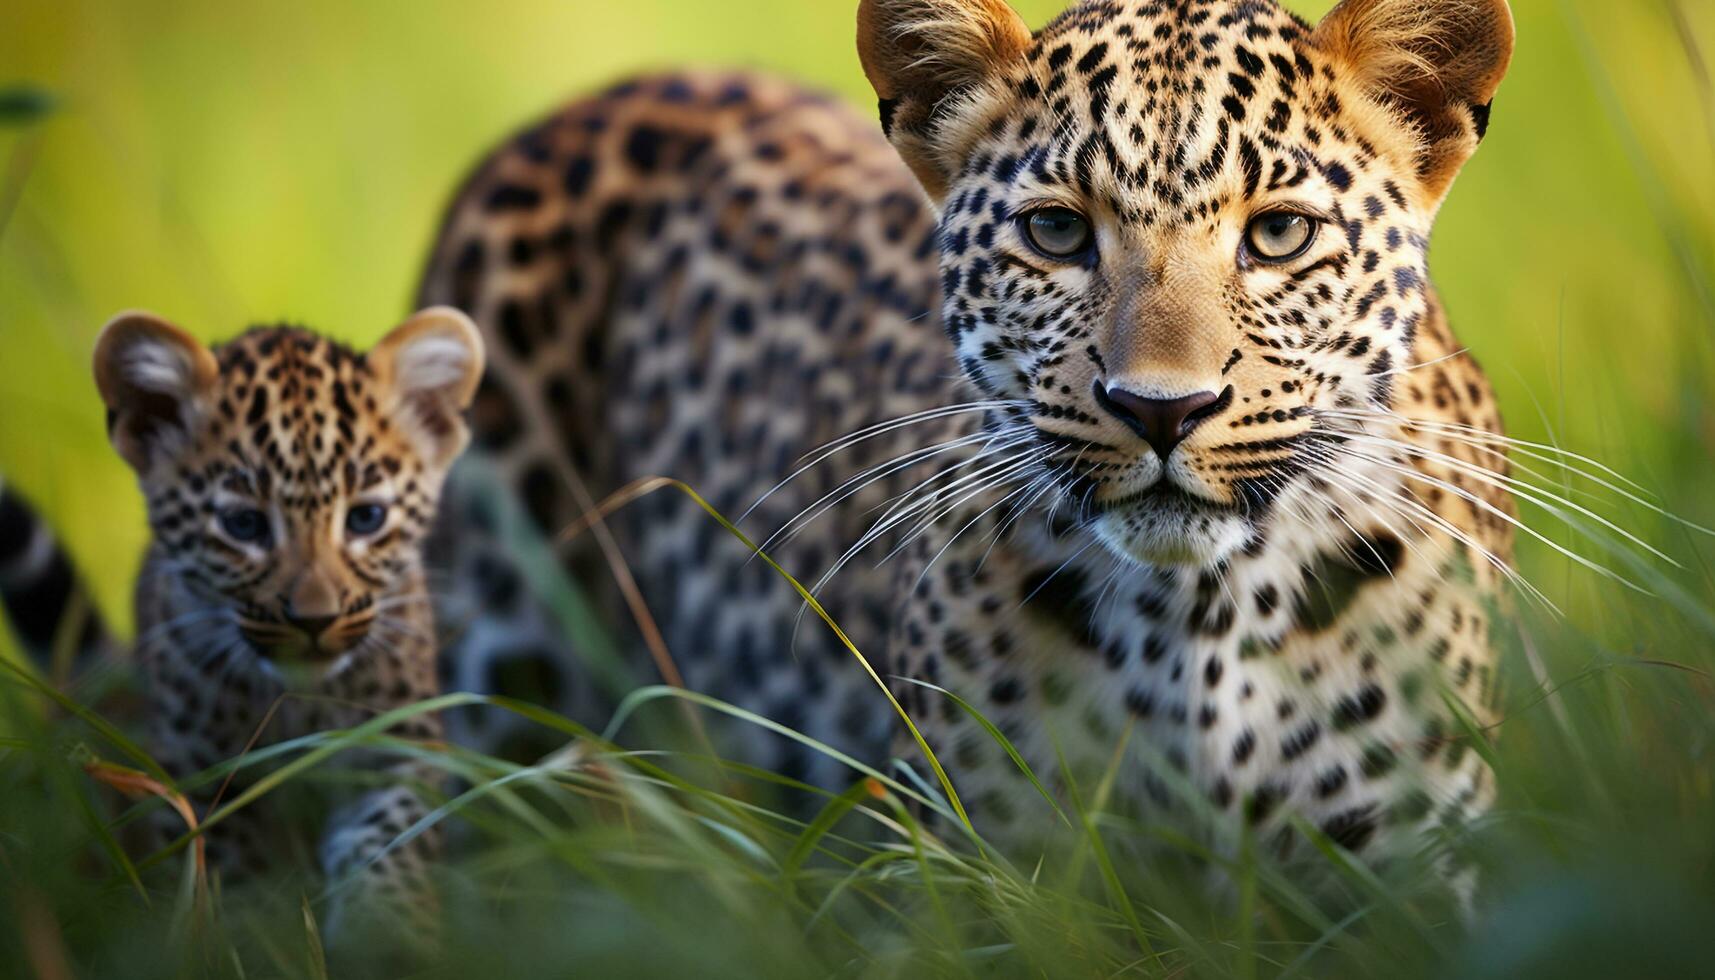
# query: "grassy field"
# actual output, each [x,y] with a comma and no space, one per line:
[226,163]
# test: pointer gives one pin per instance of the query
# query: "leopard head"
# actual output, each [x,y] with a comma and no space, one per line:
[289,480]
[1182,234]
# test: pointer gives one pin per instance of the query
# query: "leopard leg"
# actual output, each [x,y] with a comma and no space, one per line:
[380,879]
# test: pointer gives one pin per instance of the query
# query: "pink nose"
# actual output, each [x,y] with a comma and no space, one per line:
[1162,422]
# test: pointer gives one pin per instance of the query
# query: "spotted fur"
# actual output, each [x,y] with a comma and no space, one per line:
[708,276]
[290,482]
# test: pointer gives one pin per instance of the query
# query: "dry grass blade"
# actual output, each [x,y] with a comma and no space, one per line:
[594,520]
[137,785]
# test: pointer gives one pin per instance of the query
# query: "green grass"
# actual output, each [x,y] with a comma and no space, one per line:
[222,164]
[632,852]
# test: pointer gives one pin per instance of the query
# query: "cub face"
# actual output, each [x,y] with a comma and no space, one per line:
[289,481]
[1190,237]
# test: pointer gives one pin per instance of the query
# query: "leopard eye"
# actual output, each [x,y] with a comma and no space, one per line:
[1059,232]
[1280,235]
[365,519]
[244,524]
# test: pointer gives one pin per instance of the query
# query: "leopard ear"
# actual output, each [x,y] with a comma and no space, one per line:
[926,59]
[427,369]
[157,382]
[1436,63]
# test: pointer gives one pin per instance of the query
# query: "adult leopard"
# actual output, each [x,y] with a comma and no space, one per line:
[1192,461]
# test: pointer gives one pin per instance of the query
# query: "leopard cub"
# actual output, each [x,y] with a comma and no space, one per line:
[290,482]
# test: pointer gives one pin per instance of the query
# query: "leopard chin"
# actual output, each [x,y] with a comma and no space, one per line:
[1173,529]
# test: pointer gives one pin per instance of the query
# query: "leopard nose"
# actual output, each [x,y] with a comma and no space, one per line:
[311,626]
[1162,422]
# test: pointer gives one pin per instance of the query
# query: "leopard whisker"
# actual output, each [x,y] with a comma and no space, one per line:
[1398,496]
[956,535]
[1521,489]
[899,502]
[1461,352]
[950,508]
[1047,482]
[923,490]
[1058,500]
[943,411]
[896,515]
[993,475]
[1546,499]
[827,450]
[400,601]
[1510,460]
[885,469]
[1340,479]
[920,502]
[1394,497]
[1411,473]
[1473,436]
[1110,583]
[857,484]
[1359,537]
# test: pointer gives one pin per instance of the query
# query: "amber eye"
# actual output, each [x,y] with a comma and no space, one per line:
[1059,232]
[365,519]
[1280,235]
[246,524]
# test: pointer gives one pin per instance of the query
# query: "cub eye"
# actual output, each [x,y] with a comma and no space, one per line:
[365,519]
[245,524]
[1280,235]
[1059,232]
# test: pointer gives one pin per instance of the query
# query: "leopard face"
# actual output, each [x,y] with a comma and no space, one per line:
[289,480]
[1189,238]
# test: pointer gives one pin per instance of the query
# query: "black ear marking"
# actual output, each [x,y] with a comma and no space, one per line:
[887,108]
[1480,116]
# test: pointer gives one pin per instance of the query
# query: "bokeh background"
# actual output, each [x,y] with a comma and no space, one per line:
[227,163]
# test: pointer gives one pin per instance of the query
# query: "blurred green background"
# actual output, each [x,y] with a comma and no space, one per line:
[225,163]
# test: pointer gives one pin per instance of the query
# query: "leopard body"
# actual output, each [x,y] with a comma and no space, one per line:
[709,276]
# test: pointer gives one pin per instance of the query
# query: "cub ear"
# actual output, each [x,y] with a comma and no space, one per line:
[157,382]
[923,57]
[1435,62]
[428,369]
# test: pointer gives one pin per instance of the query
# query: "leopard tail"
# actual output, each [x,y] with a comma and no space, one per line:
[48,606]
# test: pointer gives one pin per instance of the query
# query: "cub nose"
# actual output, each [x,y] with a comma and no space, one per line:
[1162,422]
[311,626]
